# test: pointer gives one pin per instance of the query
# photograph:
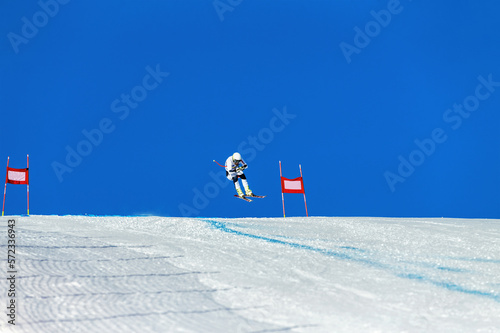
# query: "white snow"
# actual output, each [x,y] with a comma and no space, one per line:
[318,274]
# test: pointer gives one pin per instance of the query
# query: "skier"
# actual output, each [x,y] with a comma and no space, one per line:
[234,171]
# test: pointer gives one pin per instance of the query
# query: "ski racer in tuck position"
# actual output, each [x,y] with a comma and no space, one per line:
[234,171]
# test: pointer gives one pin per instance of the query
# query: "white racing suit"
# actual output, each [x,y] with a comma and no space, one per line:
[235,171]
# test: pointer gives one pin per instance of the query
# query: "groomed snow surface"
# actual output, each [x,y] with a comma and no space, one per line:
[318,274]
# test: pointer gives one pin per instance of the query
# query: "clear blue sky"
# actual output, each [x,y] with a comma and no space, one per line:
[392,107]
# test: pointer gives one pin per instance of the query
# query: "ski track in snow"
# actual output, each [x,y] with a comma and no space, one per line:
[156,274]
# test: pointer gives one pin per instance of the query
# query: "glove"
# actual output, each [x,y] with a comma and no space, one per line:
[241,168]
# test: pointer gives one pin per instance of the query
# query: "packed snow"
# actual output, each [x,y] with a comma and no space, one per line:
[317,274]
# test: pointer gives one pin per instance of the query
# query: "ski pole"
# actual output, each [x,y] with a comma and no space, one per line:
[219,164]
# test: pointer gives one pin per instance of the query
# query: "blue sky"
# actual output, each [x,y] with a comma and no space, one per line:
[391,107]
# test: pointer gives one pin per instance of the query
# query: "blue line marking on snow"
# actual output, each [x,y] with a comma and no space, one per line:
[411,276]
[222,226]
[438,267]
[306,239]
[451,269]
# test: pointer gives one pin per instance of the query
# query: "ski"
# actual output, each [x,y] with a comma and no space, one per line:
[244,198]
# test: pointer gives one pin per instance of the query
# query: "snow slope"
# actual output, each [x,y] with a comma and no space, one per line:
[320,274]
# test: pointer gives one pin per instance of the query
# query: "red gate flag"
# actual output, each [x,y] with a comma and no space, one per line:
[18,177]
[295,185]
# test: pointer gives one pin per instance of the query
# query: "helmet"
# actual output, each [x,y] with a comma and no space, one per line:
[236,157]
